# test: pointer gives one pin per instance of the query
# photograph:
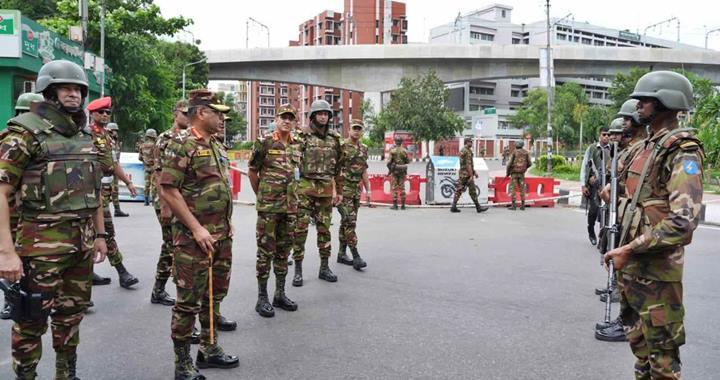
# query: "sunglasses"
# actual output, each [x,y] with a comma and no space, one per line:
[604,134]
[106,112]
[357,128]
[287,117]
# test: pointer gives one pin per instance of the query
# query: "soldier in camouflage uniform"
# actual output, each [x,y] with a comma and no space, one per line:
[100,111]
[398,164]
[466,176]
[145,155]
[54,165]
[353,172]
[659,210]
[194,180]
[320,187]
[272,169]
[518,164]
[22,105]
[112,129]
[591,169]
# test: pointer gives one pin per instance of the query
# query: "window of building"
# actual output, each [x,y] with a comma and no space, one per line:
[515,93]
[599,43]
[586,41]
[264,122]
[267,111]
[329,40]
[561,36]
[284,101]
[329,98]
[267,90]
[377,23]
[597,95]
[283,91]
[474,107]
[377,39]
[328,24]
[504,13]
[516,41]
[482,36]
[267,101]
[404,39]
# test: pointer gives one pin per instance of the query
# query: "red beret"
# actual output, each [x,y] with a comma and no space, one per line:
[100,104]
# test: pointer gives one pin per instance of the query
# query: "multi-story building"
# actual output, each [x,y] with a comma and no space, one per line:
[493,25]
[361,22]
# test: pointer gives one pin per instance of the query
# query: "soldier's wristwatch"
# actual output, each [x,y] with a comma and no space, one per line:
[101,236]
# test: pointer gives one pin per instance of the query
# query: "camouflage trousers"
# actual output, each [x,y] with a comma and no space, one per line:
[466,182]
[149,185]
[115,193]
[165,261]
[321,210]
[67,277]
[191,278]
[348,210]
[397,185]
[652,313]
[275,234]
[517,181]
[113,253]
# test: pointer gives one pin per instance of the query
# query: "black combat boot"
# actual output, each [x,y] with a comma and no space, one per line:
[280,299]
[224,324]
[127,280]
[184,367]
[342,255]
[479,208]
[394,206]
[591,235]
[603,325]
[147,201]
[214,357]
[5,313]
[615,298]
[100,280]
[298,279]
[263,306]
[119,213]
[325,272]
[599,291]
[402,205]
[522,205]
[25,373]
[159,295]
[454,208]
[358,263]
[614,333]
[512,206]
[66,366]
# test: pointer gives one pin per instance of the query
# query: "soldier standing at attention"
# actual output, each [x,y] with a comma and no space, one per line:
[353,172]
[194,180]
[590,177]
[272,167]
[112,129]
[518,164]
[22,105]
[145,155]
[45,155]
[398,164]
[100,111]
[319,188]
[664,186]
[466,174]
[162,210]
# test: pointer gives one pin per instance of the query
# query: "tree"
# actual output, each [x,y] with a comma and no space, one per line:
[33,9]
[237,124]
[419,106]
[623,85]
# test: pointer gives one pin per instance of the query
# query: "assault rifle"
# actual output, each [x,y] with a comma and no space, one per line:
[609,240]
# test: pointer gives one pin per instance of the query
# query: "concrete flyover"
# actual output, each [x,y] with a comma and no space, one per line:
[378,68]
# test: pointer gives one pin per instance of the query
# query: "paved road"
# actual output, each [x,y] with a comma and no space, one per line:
[499,295]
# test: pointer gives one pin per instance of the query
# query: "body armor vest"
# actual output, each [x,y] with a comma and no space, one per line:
[320,157]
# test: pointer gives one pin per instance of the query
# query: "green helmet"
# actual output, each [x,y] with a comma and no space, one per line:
[320,105]
[519,144]
[673,90]
[398,140]
[629,109]
[24,101]
[151,133]
[111,127]
[616,126]
[61,72]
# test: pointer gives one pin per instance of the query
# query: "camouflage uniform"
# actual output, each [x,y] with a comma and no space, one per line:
[115,190]
[517,166]
[199,170]
[58,170]
[146,156]
[466,176]
[398,156]
[277,202]
[321,162]
[355,164]
[165,261]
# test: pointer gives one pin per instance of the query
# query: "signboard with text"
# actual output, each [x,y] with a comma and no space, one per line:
[9,33]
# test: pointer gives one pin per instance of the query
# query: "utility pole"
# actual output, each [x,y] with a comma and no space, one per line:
[548,63]
[183,74]
[102,46]
[84,22]
[708,34]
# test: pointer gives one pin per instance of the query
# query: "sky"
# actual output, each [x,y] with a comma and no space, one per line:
[221,24]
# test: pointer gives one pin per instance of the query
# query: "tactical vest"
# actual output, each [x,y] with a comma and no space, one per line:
[320,156]
[398,156]
[63,181]
[146,148]
[520,162]
[356,161]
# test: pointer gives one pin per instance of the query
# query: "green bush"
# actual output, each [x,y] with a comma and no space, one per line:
[557,160]
[245,145]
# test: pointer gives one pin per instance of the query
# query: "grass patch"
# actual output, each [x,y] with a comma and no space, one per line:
[566,172]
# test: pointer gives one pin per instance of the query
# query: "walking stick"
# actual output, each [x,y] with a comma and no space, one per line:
[211,299]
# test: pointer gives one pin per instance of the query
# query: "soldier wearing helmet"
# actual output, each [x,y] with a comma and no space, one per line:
[52,163]
[664,189]
[397,166]
[320,187]
[518,164]
[145,155]
[24,101]
[100,111]
[592,173]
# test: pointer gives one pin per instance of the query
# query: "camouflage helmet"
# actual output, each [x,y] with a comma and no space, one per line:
[519,144]
[629,109]
[616,126]
[318,106]
[24,101]
[150,133]
[398,140]
[111,127]
[671,89]
[61,72]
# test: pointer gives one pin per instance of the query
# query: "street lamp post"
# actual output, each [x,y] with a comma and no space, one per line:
[183,74]
[708,34]
[550,94]
[247,29]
